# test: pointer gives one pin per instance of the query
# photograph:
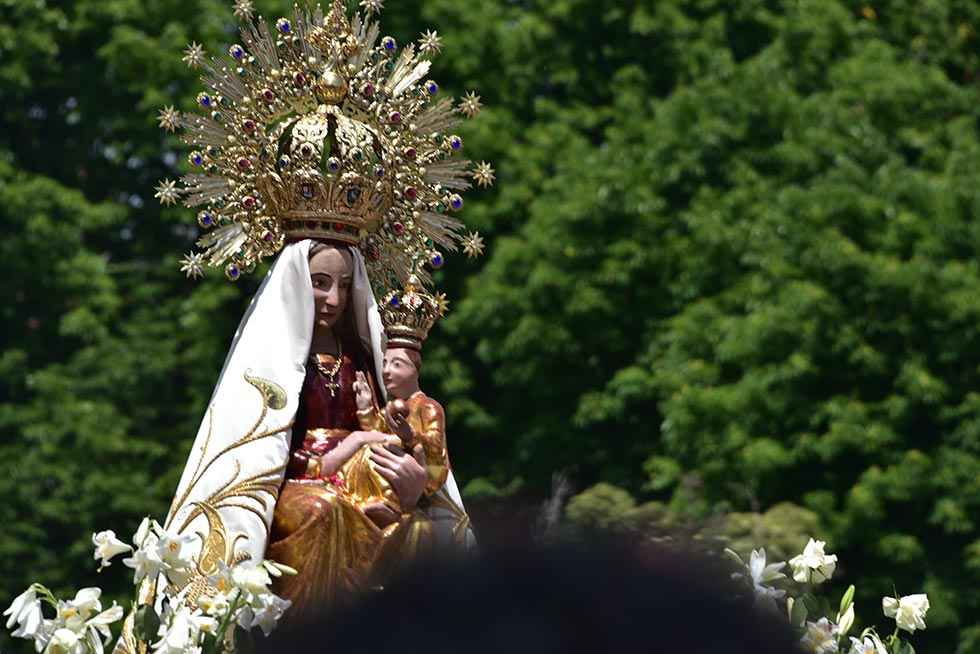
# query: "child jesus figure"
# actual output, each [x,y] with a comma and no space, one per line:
[410,414]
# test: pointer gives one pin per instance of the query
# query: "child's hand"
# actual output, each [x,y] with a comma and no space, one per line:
[399,424]
[362,392]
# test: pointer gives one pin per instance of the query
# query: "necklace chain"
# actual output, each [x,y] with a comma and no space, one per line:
[332,384]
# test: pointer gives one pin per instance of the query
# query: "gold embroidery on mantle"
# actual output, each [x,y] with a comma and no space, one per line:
[217,545]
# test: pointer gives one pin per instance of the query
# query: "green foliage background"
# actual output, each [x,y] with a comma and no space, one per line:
[733,264]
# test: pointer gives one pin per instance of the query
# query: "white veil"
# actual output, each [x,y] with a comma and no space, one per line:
[230,484]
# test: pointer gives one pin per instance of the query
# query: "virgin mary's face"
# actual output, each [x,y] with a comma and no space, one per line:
[331,272]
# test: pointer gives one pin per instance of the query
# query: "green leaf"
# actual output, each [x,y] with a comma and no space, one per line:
[146,623]
[902,647]
[798,614]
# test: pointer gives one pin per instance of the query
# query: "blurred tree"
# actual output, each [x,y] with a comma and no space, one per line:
[732,263]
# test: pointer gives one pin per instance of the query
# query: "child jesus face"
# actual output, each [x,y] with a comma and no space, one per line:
[401,372]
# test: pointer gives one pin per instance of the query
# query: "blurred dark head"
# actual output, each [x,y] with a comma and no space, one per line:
[562,599]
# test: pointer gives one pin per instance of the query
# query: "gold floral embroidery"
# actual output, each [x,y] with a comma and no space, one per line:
[261,488]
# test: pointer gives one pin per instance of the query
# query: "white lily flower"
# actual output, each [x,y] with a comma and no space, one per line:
[268,610]
[44,634]
[25,612]
[813,565]
[203,624]
[870,644]
[221,578]
[65,641]
[31,622]
[178,637]
[146,561]
[278,569]
[909,611]
[144,530]
[215,605]
[761,574]
[19,604]
[94,642]
[101,622]
[108,546]
[175,550]
[820,637]
[846,621]
[246,618]
[75,613]
[254,580]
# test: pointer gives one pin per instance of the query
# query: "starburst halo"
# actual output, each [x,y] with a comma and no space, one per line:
[473,245]
[430,43]
[169,118]
[442,303]
[192,265]
[167,192]
[243,9]
[389,92]
[373,6]
[484,175]
[193,55]
[470,105]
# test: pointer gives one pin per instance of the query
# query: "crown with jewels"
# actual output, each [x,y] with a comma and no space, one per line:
[408,315]
[313,128]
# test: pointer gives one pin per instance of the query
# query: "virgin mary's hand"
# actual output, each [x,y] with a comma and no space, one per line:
[405,473]
[381,514]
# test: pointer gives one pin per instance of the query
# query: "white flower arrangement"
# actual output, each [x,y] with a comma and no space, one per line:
[810,615]
[175,625]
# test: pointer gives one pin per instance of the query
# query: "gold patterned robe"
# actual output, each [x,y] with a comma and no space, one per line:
[319,526]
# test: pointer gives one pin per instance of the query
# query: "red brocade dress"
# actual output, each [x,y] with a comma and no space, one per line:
[319,526]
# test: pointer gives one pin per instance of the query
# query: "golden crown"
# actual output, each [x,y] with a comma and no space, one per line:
[409,315]
[316,129]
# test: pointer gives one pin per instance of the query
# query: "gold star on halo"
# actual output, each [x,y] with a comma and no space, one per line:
[169,118]
[431,43]
[193,265]
[373,6]
[193,55]
[484,175]
[442,304]
[473,245]
[167,192]
[470,105]
[243,9]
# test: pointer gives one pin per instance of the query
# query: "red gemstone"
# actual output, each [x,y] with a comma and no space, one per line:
[411,153]
[248,202]
[249,125]
[299,79]
[368,90]
[244,163]
[411,193]
[395,117]
[268,95]
[398,228]
[338,227]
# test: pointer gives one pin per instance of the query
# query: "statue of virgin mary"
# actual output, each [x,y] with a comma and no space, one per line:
[324,146]
[287,386]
